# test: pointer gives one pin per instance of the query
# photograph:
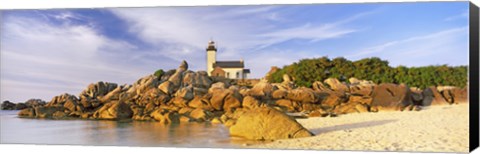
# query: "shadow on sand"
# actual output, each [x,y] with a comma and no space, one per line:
[347,127]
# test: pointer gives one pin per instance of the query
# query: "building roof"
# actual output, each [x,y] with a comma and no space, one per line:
[229,64]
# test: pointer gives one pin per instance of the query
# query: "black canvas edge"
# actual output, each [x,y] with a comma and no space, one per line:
[473,77]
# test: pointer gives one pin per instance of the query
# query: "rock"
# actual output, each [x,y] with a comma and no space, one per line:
[177,78]
[263,90]
[355,81]
[47,111]
[179,101]
[350,108]
[114,110]
[333,98]
[432,97]
[35,103]
[286,78]
[68,101]
[201,103]
[455,95]
[365,100]
[7,105]
[199,114]
[28,112]
[318,113]
[279,94]
[416,97]
[163,116]
[267,124]
[362,90]
[387,96]
[336,85]
[218,99]
[231,102]
[183,66]
[199,79]
[112,95]
[320,87]
[287,105]
[216,121]
[20,106]
[218,86]
[98,89]
[250,102]
[59,115]
[303,95]
[167,87]
[185,110]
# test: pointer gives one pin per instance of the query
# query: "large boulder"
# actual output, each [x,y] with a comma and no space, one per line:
[48,111]
[68,101]
[263,90]
[201,102]
[198,79]
[250,102]
[27,113]
[98,89]
[320,87]
[432,97]
[353,107]
[287,105]
[303,95]
[267,124]
[387,96]
[454,95]
[165,116]
[336,85]
[114,110]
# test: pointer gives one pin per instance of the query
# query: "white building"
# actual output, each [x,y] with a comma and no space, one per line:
[228,69]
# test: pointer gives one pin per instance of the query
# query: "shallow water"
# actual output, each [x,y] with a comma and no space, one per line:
[94,132]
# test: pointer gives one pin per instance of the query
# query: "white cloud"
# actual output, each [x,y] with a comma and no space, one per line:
[238,31]
[447,47]
[42,60]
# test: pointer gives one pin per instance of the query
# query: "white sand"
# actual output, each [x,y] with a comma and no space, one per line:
[434,129]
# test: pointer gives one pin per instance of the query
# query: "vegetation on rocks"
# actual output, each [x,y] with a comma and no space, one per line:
[307,71]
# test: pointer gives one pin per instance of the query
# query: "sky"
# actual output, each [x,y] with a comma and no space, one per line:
[45,53]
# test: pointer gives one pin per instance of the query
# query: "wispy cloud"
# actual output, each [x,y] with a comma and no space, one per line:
[463,15]
[62,58]
[183,33]
[447,47]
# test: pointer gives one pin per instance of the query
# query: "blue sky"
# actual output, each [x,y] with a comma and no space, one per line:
[45,53]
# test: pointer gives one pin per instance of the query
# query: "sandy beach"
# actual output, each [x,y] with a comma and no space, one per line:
[434,129]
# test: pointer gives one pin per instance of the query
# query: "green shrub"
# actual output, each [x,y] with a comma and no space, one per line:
[307,71]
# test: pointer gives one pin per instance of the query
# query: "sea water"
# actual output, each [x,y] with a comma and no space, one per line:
[15,130]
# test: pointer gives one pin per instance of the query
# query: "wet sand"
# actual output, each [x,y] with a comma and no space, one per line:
[434,129]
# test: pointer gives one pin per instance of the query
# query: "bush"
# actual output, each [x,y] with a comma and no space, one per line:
[307,71]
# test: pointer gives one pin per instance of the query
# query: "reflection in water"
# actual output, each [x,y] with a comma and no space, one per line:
[93,132]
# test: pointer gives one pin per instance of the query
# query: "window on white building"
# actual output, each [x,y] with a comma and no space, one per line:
[228,74]
[238,75]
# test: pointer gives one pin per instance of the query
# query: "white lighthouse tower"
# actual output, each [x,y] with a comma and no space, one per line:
[211,56]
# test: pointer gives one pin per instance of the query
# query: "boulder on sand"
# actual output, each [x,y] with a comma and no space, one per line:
[265,123]
[387,96]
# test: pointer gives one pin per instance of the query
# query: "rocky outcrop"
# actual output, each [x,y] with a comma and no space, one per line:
[336,85]
[7,105]
[114,111]
[388,96]
[267,124]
